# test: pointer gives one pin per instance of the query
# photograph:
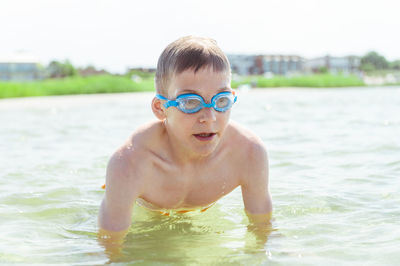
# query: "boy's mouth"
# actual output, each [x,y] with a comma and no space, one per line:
[204,136]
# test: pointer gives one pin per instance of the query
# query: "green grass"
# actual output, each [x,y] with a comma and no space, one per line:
[311,81]
[110,84]
[74,85]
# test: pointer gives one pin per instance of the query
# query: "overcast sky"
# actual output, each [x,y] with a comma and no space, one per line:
[116,34]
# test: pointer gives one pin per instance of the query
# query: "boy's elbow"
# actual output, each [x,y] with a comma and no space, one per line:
[111,221]
[102,217]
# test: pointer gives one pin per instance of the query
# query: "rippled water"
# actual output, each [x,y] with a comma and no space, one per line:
[334,173]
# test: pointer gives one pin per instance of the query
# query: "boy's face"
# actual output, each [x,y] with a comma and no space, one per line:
[199,133]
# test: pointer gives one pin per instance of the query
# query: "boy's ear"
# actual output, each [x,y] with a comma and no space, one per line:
[158,108]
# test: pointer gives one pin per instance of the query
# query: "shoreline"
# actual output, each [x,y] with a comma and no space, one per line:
[148,95]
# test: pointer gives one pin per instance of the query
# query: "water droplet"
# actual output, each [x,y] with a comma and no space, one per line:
[223,188]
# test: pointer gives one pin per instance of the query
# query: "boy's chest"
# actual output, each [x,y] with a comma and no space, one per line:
[178,188]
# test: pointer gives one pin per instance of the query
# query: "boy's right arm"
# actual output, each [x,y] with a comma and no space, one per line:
[121,192]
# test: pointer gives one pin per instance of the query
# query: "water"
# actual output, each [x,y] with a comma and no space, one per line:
[334,177]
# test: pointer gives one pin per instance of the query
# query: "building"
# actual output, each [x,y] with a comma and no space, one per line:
[346,64]
[242,64]
[19,67]
[280,64]
[263,64]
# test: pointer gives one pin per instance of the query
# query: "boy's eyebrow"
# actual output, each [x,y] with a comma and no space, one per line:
[195,92]
[223,89]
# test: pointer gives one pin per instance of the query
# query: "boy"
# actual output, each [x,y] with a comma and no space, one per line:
[193,155]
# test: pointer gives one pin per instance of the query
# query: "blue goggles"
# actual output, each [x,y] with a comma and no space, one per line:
[192,103]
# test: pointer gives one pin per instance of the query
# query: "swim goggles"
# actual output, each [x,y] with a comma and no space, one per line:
[192,103]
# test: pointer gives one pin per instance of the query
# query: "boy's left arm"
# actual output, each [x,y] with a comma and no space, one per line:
[255,190]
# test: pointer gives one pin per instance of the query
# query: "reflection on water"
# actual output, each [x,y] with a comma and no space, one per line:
[334,166]
[188,239]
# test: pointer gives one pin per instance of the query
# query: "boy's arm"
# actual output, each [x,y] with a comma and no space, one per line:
[255,191]
[120,195]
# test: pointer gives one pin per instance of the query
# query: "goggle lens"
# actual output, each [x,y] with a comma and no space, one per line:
[189,103]
[223,101]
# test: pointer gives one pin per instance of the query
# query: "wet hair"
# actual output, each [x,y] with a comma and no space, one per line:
[189,53]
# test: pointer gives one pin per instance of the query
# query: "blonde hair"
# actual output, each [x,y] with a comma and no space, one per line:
[189,53]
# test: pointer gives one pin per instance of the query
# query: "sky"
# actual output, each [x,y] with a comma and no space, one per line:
[117,34]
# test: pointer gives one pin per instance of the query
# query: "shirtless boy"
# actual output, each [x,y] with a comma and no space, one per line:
[193,154]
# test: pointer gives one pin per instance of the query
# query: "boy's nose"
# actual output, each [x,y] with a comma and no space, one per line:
[207,114]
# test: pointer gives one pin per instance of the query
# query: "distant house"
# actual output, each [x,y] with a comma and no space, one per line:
[346,64]
[243,64]
[19,67]
[280,64]
[263,64]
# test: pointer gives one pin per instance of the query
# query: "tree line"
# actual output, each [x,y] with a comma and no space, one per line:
[373,61]
[58,69]
[370,62]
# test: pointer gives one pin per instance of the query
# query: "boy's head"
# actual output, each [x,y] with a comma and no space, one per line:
[188,53]
[195,67]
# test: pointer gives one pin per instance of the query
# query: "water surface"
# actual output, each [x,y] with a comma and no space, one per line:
[334,177]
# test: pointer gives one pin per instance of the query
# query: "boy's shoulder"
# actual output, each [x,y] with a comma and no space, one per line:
[244,140]
[147,136]
[137,150]
[250,154]
[248,150]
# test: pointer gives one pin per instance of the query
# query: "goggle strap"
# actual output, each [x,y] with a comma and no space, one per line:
[234,94]
[159,96]
[169,103]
